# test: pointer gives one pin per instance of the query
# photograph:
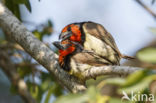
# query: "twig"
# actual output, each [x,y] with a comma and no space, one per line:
[109,70]
[14,77]
[146,8]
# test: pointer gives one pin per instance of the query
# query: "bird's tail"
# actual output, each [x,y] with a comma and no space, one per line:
[127,57]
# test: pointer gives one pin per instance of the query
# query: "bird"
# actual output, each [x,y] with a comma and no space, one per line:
[93,37]
[86,44]
[74,60]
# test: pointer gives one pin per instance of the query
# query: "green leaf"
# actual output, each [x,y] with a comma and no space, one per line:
[19,1]
[34,90]
[72,98]
[45,84]
[54,89]
[134,78]
[28,6]
[24,71]
[147,55]
[92,93]
[115,81]
[50,24]
[130,80]
[48,95]
[102,99]
[38,34]
[13,7]
[142,85]
[57,90]
[25,2]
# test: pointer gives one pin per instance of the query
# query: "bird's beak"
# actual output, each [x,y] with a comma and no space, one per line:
[60,46]
[65,35]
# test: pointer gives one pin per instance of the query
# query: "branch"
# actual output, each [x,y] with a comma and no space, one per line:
[10,70]
[146,8]
[39,51]
[109,70]
[46,57]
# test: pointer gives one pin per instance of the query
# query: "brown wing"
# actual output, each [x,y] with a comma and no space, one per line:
[100,32]
[90,58]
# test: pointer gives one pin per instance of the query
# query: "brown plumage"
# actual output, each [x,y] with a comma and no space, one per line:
[91,46]
[100,32]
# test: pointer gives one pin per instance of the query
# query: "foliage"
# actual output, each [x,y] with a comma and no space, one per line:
[148,54]
[138,82]
[13,5]
[46,29]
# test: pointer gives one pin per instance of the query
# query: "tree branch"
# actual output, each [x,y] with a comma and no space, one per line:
[109,70]
[39,51]
[46,57]
[10,70]
[146,8]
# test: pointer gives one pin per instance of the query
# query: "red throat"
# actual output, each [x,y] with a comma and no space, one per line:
[64,53]
[76,36]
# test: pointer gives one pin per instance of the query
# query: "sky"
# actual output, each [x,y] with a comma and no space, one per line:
[127,21]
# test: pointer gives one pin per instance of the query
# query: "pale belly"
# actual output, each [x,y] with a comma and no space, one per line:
[99,47]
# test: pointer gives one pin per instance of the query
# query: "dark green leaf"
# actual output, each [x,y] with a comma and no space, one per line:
[14,8]
[25,2]
[50,23]
[19,1]
[28,6]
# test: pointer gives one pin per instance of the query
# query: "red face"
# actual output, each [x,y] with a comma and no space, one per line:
[74,31]
[69,33]
[64,53]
